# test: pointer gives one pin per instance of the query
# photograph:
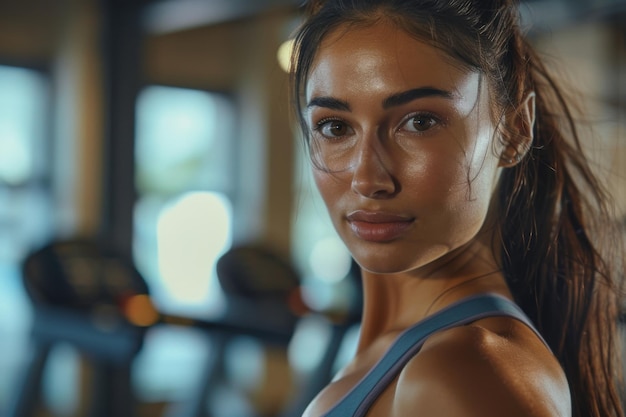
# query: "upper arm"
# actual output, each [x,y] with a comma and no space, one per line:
[470,371]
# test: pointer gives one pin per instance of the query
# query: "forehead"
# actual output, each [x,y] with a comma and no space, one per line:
[380,57]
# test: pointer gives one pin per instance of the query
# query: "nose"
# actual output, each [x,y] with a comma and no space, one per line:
[371,175]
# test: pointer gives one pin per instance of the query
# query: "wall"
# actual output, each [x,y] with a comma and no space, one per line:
[590,59]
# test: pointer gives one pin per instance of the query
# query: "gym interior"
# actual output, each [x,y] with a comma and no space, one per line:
[163,251]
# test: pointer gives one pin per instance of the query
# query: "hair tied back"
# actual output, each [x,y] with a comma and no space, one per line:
[313,6]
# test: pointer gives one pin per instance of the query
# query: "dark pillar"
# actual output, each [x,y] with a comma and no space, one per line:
[122,51]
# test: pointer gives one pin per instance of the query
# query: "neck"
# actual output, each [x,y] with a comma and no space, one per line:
[394,302]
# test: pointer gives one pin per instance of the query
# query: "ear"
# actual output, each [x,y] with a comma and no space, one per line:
[521,135]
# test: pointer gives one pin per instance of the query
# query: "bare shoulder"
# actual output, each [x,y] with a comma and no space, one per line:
[494,367]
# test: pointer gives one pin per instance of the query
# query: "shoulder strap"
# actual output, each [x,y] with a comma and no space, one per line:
[358,401]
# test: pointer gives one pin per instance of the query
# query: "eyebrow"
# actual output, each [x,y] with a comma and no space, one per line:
[410,95]
[329,103]
[394,100]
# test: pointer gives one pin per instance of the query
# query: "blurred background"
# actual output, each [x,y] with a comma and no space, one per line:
[161,130]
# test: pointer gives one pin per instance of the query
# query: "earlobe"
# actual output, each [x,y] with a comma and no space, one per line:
[521,137]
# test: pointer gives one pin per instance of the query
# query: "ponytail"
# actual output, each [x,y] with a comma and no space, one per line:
[552,208]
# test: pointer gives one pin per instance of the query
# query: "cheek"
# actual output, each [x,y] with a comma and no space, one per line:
[469,202]
[475,163]
[457,180]
[435,175]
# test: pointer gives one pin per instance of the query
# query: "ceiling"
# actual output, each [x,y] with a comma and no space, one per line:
[172,15]
[162,16]
[30,28]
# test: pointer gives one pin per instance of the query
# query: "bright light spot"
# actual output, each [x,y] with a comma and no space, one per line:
[330,260]
[245,362]
[319,295]
[348,348]
[308,344]
[284,55]
[191,235]
[61,380]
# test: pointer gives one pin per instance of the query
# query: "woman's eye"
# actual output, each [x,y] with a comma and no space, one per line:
[421,123]
[333,128]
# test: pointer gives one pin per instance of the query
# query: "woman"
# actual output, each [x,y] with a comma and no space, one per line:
[450,165]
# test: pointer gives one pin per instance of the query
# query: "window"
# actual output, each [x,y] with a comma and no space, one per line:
[25,207]
[182,224]
[183,217]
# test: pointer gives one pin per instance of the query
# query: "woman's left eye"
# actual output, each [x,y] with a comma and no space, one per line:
[420,123]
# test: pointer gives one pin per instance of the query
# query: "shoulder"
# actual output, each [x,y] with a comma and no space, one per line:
[494,367]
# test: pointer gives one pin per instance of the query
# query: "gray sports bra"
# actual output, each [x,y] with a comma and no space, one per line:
[361,397]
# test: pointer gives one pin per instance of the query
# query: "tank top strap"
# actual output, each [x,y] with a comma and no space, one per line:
[360,398]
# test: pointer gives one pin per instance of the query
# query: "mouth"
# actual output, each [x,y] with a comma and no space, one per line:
[378,226]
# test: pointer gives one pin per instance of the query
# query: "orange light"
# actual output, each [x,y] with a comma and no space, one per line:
[140,311]
[296,303]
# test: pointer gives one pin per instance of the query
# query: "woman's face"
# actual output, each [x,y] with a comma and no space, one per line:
[405,139]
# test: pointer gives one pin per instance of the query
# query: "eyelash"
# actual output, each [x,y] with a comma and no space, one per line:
[325,122]
[437,121]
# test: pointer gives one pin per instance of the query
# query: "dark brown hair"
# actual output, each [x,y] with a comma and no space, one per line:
[551,208]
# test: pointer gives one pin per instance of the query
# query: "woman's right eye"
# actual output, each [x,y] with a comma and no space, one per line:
[332,128]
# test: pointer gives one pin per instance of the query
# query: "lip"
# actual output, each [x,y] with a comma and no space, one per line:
[378,226]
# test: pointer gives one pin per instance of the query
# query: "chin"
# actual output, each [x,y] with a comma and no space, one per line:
[395,261]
